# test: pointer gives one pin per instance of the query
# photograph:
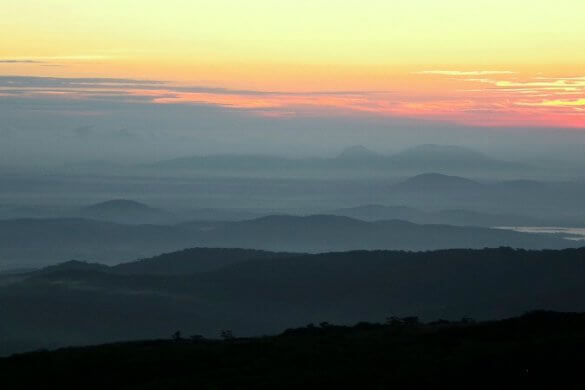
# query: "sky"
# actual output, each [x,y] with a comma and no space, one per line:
[498,64]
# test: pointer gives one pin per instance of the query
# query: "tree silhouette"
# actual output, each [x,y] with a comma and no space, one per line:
[227,335]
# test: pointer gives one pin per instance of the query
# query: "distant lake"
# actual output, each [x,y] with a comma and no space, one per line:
[576,234]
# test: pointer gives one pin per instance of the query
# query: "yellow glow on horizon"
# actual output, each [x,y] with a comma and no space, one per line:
[300,31]
[443,51]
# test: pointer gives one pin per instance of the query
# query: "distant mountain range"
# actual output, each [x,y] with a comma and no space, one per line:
[469,201]
[30,242]
[204,291]
[415,160]
[127,211]
[549,200]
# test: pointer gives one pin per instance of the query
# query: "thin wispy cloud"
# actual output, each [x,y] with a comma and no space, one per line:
[556,103]
[505,101]
[465,73]
[10,61]
[48,82]
[41,59]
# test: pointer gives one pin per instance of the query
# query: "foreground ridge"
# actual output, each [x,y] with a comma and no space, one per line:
[538,349]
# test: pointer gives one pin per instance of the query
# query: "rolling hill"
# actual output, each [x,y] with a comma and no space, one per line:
[255,293]
[34,242]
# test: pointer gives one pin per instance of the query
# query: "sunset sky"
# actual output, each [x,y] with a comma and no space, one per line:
[479,63]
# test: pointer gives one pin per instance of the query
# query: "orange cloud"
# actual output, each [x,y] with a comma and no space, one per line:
[501,98]
[556,103]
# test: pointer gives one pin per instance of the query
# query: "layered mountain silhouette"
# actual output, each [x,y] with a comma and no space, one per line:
[254,293]
[548,200]
[27,242]
[189,261]
[418,159]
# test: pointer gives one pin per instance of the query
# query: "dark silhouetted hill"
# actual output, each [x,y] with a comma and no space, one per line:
[203,291]
[193,260]
[536,350]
